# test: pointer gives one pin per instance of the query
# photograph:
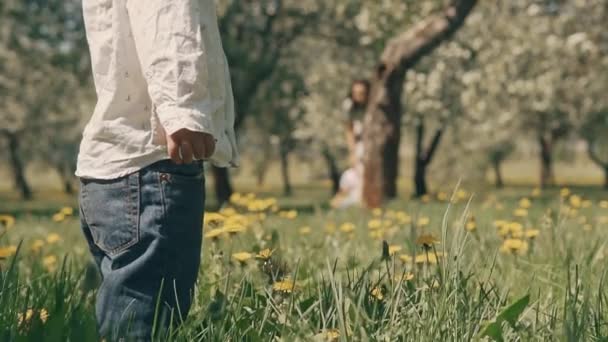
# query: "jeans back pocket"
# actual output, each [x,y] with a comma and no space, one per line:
[111,210]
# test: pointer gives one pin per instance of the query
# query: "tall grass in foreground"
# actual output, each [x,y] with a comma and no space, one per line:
[451,295]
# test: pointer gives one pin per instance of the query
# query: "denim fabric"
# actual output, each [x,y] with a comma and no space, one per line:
[144,229]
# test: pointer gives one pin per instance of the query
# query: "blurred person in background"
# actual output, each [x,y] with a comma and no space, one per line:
[165,104]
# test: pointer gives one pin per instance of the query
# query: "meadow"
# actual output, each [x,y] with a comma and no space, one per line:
[518,264]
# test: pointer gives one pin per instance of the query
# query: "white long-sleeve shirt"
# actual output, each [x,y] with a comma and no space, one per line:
[158,66]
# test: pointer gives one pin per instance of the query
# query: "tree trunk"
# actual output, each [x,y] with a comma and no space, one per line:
[383,115]
[223,188]
[66,177]
[546,158]
[17,166]
[498,181]
[334,173]
[284,155]
[420,178]
[606,177]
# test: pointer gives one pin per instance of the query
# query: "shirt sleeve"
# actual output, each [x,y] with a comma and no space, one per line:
[171,51]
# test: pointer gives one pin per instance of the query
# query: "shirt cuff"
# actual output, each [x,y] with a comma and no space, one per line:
[174,118]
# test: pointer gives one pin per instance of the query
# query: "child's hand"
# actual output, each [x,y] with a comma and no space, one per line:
[193,145]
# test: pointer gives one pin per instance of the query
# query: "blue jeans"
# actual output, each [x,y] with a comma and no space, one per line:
[143,230]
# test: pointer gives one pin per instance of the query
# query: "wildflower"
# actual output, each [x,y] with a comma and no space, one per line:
[330,227]
[214,234]
[430,258]
[58,217]
[374,224]
[53,238]
[377,212]
[405,277]
[264,254]
[405,258]
[37,245]
[427,241]
[536,192]
[7,221]
[602,219]
[228,211]
[423,221]
[500,223]
[213,218]
[67,211]
[520,212]
[442,196]
[331,335]
[6,252]
[403,218]
[376,234]
[377,293]
[285,286]
[603,204]
[586,204]
[347,227]
[461,194]
[514,246]
[532,233]
[425,198]
[50,262]
[235,197]
[525,203]
[288,214]
[242,257]
[564,192]
[234,228]
[305,230]
[392,249]
[575,201]
[471,225]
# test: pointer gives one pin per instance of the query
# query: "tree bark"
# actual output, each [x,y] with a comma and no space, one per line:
[594,156]
[498,180]
[334,172]
[223,188]
[284,156]
[383,115]
[17,166]
[547,177]
[424,157]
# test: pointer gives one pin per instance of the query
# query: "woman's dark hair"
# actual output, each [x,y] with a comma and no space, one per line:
[365,83]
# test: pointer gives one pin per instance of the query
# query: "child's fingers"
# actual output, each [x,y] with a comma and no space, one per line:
[173,150]
[186,149]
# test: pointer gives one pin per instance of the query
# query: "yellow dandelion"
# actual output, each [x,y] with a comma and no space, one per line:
[536,192]
[377,293]
[58,217]
[264,254]
[25,317]
[214,234]
[425,198]
[347,227]
[285,286]
[532,233]
[377,211]
[405,277]
[242,257]
[67,211]
[236,197]
[53,238]
[403,217]
[471,224]
[442,196]
[423,221]
[288,214]
[374,224]
[50,262]
[37,245]
[377,234]
[586,204]
[514,246]
[228,211]
[602,219]
[427,240]
[405,258]
[575,201]
[525,203]
[392,249]
[430,258]
[6,252]
[603,204]
[461,194]
[564,192]
[7,221]
[305,230]
[331,335]
[500,223]
[44,315]
[234,228]
[520,212]
[213,218]
[330,227]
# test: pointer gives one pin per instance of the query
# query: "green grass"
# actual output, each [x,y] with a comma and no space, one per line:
[553,291]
